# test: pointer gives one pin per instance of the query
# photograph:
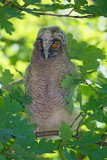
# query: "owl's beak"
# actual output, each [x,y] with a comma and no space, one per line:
[46,55]
[46,46]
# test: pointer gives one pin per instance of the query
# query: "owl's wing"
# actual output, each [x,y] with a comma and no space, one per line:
[26,79]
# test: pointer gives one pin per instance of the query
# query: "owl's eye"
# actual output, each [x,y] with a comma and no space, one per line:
[40,44]
[54,45]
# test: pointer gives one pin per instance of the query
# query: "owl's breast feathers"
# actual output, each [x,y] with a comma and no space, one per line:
[43,84]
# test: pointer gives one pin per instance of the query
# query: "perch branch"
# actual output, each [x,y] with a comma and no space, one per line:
[21,80]
[56,133]
[47,133]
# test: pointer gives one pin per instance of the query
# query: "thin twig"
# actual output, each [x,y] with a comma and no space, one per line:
[92,87]
[60,154]
[77,130]
[59,146]
[75,120]
[70,12]
[21,80]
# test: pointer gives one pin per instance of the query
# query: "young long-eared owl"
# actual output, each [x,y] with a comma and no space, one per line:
[48,66]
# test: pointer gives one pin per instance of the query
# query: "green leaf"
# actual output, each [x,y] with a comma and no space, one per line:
[53,7]
[6,133]
[23,128]
[65,132]
[103,88]
[66,81]
[12,12]
[91,65]
[72,45]
[99,9]
[84,52]
[31,11]
[44,146]
[80,3]
[20,96]
[69,1]
[10,107]
[95,152]
[5,24]
[69,155]
[88,138]
[79,98]
[2,158]
[1,92]
[6,78]
[70,106]
[54,1]
[8,26]
[32,1]
[23,153]
[1,146]
[99,117]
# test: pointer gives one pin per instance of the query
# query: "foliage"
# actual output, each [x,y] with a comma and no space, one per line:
[87,89]
[15,9]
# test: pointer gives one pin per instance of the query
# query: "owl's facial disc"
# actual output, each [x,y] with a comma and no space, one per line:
[48,48]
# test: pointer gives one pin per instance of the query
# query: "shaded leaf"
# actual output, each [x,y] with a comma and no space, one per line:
[95,152]
[7,77]
[2,158]
[69,155]
[65,132]
[32,1]
[88,138]
[44,147]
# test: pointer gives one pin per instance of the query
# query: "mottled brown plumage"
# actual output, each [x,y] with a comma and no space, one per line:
[47,69]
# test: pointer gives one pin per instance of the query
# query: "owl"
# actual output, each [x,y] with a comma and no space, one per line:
[48,66]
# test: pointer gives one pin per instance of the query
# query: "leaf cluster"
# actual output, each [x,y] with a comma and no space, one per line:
[15,9]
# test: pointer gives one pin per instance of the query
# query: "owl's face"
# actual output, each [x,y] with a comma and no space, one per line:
[50,42]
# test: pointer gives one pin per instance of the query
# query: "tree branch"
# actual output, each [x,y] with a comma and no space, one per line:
[21,80]
[47,133]
[64,15]
[102,143]
[50,14]
[56,133]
